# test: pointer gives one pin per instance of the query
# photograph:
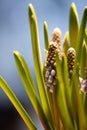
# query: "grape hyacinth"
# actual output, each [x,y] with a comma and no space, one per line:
[50,64]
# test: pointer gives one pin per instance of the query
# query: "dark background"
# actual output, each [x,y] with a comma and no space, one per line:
[15,35]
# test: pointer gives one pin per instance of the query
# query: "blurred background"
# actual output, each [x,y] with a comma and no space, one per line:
[15,35]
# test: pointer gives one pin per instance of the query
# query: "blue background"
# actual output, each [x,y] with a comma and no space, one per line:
[15,35]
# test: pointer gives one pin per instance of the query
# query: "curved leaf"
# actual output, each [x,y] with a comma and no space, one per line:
[80,39]
[66,42]
[73,26]
[10,94]
[38,63]
[61,98]
[29,87]
[67,87]
[78,107]
[83,61]
[46,39]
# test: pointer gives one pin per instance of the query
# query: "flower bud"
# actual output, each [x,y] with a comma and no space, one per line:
[70,60]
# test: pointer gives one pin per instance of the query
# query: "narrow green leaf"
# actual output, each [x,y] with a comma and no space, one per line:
[78,108]
[61,98]
[66,42]
[38,62]
[80,39]
[30,89]
[73,25]
[56,110]
[67,87]
[46,39]
[49,95]
[85,104]
[83,61]
[24,70]
[14,100]
[86,36]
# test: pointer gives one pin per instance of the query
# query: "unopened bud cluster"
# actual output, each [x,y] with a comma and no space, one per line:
[70,60]
[50,64]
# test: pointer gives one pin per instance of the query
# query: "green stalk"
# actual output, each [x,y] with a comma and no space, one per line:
[38,63]
[14,100]
[56,109]
[46,39]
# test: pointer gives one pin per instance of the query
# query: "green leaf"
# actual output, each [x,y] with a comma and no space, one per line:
[67,87]
[85,104]
[78,107]
[83,61]
[61,98]
[38,63]
[46,39]
[56,110]
[80,39]
[14,100]
[73,25]
[66,42]
[78,110]
[30,88]
[86,36]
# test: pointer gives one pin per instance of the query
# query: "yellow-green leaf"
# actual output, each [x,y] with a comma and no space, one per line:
[73,26]
[14,100]
[30,88]
[66,42]
[46,39]
[38,63]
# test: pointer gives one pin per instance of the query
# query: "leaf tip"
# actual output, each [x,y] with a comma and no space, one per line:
[30,10]
[73,5]
[15,53]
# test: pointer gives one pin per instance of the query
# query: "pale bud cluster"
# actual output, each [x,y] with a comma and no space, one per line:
[56,37]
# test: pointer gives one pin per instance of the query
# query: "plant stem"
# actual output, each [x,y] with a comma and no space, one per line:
[56,111]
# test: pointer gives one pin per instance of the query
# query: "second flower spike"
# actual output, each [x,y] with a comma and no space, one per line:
[70,60]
